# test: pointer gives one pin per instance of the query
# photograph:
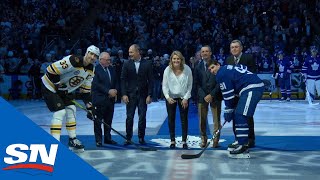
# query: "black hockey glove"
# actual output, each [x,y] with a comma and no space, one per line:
[228,114]
[61,89]
[90,114]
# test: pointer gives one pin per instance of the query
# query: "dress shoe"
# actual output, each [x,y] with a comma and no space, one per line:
[128,142]
[98,144]
[185,146]
[172,145]
[203,141]
[215,143]
[110,142]
[141,141]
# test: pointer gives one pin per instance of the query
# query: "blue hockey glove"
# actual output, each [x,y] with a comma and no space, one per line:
[228,114]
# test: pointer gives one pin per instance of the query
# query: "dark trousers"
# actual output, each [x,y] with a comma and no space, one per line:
[134,102]
[171,109]
[104,114]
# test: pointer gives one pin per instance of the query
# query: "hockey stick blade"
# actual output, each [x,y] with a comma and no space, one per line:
[194,156]
[136,145]
[309,98]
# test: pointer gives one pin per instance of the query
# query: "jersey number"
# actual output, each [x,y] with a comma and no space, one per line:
[64,64]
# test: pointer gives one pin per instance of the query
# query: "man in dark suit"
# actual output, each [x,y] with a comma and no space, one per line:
[136,89]
[237,57]
[208,91]
[104,95]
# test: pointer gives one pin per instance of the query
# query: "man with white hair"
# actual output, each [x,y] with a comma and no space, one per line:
[60,80]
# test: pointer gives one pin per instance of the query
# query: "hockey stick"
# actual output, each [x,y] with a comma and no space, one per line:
[193,156]
[136,145]
[309,98]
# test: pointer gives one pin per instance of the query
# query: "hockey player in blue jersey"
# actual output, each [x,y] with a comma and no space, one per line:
[221,57]
[236,80]
[283,70]
[297,60]
[311,72]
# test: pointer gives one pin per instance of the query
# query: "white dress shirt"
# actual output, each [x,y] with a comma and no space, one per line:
[177,86]
[137,64]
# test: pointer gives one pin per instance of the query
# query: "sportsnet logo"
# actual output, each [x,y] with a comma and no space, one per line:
[20,156]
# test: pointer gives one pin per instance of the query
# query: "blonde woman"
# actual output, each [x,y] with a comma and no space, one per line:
[176,87]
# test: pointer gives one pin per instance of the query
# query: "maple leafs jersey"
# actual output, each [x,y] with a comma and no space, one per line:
[71,73]
[284,68]
[311,67]
[235,79]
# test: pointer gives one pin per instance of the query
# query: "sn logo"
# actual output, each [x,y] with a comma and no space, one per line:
[18,157]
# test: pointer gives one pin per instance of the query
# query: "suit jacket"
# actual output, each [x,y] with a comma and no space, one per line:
[141,83]
[205,83]
[246,59]
[101,85]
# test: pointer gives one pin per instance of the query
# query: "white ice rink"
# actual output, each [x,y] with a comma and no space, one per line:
[273,158]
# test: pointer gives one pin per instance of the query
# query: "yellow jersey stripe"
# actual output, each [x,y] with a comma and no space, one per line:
[56,69]
[51,70]
[48,81]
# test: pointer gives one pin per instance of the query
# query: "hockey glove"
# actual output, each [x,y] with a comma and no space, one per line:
[91,110]
[90,113]
[228,114]
[61,89]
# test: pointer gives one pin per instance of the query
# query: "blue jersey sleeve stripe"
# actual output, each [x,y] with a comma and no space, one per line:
[228,98]
[227,92]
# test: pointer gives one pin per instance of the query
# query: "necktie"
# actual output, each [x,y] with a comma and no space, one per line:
[108,72]
[236,61]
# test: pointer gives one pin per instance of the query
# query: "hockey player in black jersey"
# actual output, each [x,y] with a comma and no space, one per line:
[236,80]
[61,79]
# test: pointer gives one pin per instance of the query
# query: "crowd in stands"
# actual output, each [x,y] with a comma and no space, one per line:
[25,25]
[159,27]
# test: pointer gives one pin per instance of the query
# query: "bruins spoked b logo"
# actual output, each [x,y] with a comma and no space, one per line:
[75,81]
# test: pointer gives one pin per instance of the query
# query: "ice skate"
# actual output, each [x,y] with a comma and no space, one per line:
[240,152]
[75,145]
[233,146]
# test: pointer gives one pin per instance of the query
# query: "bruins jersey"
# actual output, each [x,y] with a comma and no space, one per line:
[69,72]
